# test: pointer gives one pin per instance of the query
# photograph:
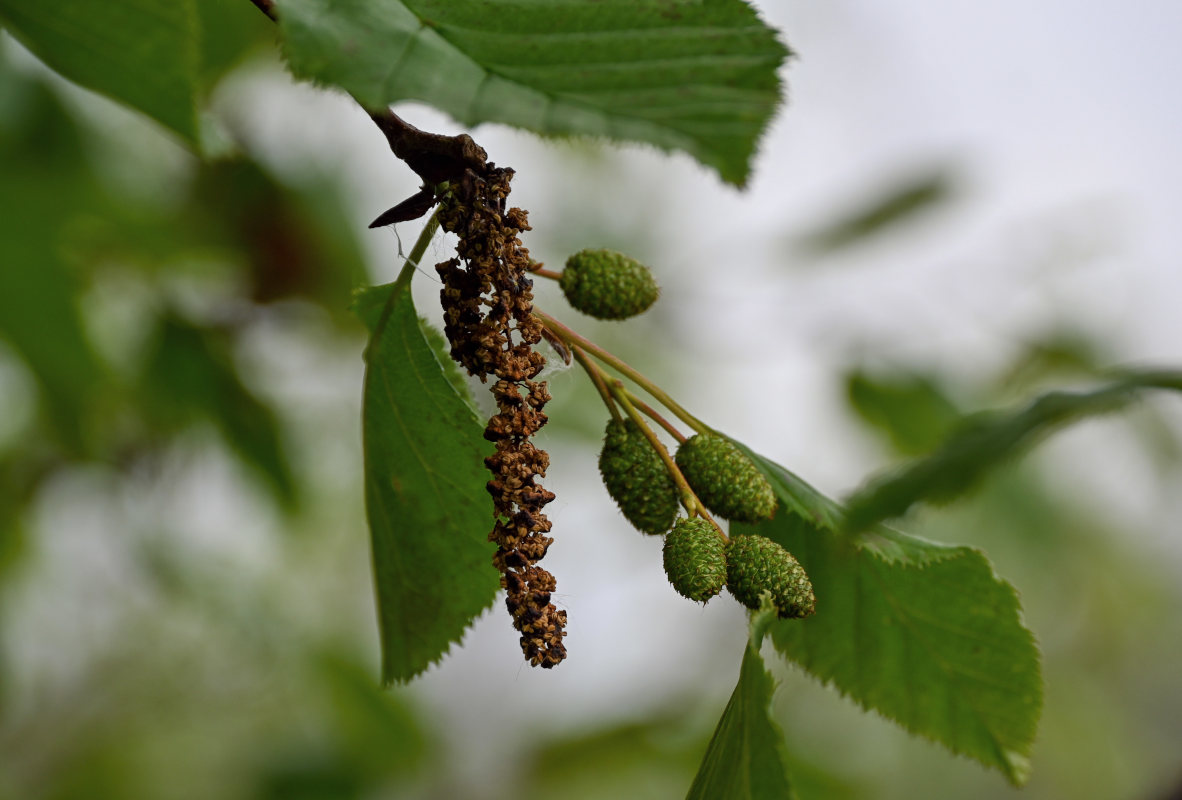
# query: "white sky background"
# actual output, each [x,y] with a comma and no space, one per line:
[1062,124]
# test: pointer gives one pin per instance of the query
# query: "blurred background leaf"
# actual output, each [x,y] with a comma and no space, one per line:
[911,410]
[888,208]
[133,51]
[980,442]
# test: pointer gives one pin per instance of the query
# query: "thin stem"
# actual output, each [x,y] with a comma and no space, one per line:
[693,506]
[597,377]
[419,250]
[574,339]
[541,272]
[656,417]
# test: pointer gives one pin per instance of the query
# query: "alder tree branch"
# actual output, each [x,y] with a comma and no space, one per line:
[435,158]
[267,7]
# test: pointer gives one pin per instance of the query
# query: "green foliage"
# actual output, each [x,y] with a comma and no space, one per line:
[693,76]
[746,758]
[140,52]
[229,30]
[911,410]
[983,441]
[294,239]
[925,634]
[46,184]
[424,490]
[189,375]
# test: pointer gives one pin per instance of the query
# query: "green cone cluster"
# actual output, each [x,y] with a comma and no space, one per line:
[636,478]
[695,559]
[725,479]
[755,564]
[608,285]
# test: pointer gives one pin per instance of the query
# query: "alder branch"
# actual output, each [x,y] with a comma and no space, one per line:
[435,158]
[267,7]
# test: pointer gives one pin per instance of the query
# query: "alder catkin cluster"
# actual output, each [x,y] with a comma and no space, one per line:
[487,303]
[698,559]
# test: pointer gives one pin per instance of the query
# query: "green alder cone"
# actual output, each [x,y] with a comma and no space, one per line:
[725,479]
[608,285]
[755,564]
[695,559]
[636,478]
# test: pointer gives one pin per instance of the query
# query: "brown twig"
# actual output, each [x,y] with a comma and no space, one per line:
[267,7]
[434,157]
[575,340]
[545,273]
[597,378]
[657,418]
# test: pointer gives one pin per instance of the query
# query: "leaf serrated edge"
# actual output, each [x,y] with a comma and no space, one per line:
[390,675]
[1017,766]
[714,158]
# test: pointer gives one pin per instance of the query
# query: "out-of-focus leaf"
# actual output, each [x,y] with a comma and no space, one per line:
[294,238]
[45,185]
[39,318]
[898,205]
[310,776]
[1061,354]
[698,76]
[428,510]
[376,728]
[190,374]
[983,441]
[909,410]
[229,30]
[141,53]
[925,634]
[747,758]
[645,757]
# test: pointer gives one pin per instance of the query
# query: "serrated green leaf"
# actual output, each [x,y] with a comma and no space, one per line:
[143,53]
[429,514]
[926,634]
[691,75]
[747,758]
[983,441]
[368,305]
